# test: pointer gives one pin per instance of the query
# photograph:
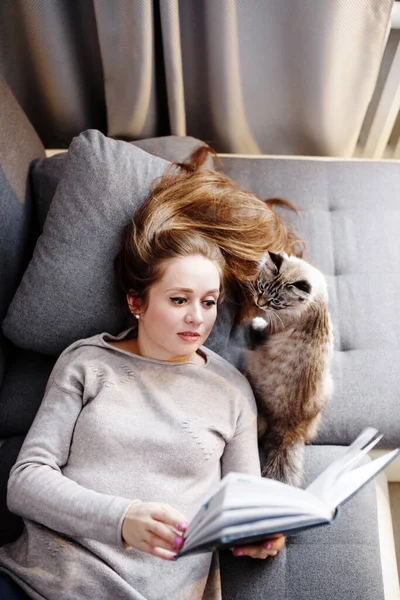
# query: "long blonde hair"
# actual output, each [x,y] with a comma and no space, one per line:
[188,202]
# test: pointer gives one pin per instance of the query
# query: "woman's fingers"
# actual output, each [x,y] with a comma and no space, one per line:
[158,550]
[254,551]
[165,554]
[277,543]
[153,527]
[163,536]
[166,523]
[170,516]
[270,547]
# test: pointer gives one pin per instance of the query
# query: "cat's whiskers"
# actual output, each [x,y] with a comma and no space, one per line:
[275,315]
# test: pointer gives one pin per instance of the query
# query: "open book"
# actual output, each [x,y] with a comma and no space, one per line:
[245,509]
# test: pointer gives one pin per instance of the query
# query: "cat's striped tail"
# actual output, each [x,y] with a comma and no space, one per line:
[285,464]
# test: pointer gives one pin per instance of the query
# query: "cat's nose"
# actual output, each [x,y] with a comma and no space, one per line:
[261,301]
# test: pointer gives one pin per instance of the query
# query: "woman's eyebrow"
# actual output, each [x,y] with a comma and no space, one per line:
[190,291]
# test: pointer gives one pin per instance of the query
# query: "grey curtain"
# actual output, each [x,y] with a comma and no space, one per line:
[248,76]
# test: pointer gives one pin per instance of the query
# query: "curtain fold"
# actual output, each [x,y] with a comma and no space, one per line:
[248,76]
[282,77]
[171,39]
[230,117]
[49,56]
[126,35]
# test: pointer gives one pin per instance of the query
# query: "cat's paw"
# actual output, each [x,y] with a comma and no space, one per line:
[256,332]
[259,324]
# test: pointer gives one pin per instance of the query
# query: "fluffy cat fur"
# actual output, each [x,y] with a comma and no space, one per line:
[288,361]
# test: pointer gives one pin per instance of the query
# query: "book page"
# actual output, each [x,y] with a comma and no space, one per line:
[323,485]
[246,516]
[349,483]
[249,493]
[248,507]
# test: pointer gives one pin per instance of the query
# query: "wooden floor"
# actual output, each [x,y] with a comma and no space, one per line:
[394,494]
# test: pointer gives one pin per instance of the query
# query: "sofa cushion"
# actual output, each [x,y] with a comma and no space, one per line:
[47,172]
[10,525]
[23,388]
[19,146]
[69,289]
[337,561]
[349,216]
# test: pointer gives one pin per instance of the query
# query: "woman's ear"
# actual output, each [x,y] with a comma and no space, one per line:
[134,302]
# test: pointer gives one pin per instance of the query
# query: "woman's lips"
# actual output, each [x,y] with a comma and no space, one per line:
[189,336]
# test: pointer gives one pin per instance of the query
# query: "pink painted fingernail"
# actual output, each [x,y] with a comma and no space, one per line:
[181,527]
[238,553]
[267,546]
[178,541]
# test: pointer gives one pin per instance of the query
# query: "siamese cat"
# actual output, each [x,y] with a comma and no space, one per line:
[288,362]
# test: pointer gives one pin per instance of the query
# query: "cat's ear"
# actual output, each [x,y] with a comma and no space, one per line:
[277,259]
[301,288]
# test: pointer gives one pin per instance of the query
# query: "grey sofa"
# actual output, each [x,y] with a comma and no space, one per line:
[349,216]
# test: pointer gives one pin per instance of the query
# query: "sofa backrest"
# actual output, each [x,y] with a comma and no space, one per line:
[349,217]
[19,146]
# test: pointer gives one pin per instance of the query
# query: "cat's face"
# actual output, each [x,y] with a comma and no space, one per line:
[286,284]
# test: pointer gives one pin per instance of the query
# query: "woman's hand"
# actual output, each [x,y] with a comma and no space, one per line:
[270,547]
[154,528]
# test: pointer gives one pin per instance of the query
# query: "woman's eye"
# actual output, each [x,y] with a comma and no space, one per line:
[209,303]
[178,300]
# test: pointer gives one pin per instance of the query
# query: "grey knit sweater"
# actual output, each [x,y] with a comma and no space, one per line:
[113,428]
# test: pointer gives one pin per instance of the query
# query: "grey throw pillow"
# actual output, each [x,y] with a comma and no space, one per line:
[46,173]
[69,289]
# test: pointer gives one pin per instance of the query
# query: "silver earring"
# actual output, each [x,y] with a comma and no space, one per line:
[137,316]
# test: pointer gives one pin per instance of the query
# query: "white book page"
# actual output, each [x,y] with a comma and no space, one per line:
[270,493]
[247,516]
[238,517]
[296,501]
[245,493]
[215,498]
[323,485]
[350,482]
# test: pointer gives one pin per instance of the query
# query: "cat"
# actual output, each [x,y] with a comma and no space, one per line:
[288,361]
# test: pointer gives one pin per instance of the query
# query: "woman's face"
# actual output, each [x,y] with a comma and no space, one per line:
[181,310]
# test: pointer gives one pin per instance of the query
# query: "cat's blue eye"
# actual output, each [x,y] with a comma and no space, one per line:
[276,302]
[178,300]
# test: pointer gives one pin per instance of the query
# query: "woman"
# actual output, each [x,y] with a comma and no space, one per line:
[135,429]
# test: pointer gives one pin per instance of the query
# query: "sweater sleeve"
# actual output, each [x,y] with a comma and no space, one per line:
[241,452]
[37,488]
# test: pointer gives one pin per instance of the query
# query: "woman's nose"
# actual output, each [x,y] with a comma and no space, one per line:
[194,315]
